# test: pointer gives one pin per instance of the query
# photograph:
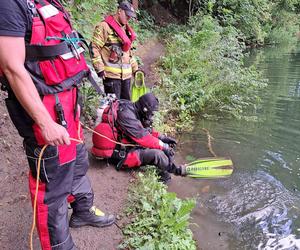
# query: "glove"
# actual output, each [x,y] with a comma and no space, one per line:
[101,74]
[168,150]
[168,140]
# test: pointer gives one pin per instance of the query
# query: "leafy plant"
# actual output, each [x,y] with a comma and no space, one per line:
[203,73]
[144,27]
[160,219]
[86,13]
[90,99]
[259,21]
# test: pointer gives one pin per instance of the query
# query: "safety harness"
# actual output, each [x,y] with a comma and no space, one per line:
[54,60]
[54,54]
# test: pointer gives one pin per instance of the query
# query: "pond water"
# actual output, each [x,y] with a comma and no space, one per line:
[258,207]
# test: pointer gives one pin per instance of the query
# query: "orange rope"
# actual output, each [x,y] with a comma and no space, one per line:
[122,144]
[78,130]
[38,174]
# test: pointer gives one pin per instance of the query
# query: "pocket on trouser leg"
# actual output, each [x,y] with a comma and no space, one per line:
[132,159]
[82,161]
[49,161]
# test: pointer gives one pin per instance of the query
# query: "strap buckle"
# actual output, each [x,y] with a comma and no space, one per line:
[73,47]
[32,8]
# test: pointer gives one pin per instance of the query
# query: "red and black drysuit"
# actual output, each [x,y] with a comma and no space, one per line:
[122,122]
[55,62]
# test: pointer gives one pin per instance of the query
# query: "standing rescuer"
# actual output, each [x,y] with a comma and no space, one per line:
[42,66]
[111,46]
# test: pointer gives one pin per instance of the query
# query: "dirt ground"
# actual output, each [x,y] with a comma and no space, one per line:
[150,52]
[110,186]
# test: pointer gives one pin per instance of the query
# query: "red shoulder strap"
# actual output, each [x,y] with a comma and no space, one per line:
[121,33]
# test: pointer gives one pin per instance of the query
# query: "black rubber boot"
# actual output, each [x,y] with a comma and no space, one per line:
[94,217]
[178,170]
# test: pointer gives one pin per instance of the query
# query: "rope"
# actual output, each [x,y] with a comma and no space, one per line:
[209,146]
[122,144]
[38,175]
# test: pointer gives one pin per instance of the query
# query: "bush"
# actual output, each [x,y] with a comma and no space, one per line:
[160,219]
[86,13]
[203,72]
[257,20]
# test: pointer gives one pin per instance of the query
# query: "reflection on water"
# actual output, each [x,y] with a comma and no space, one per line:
[260,203]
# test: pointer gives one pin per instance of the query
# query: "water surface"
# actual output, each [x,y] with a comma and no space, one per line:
[258,207]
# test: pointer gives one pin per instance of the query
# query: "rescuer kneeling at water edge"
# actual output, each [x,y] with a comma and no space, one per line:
[130,141]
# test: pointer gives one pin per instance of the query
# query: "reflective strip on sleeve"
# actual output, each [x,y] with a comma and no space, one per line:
[116,65]
[97,59]
[98,42]
[113,39]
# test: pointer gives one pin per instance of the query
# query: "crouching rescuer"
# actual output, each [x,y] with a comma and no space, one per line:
[128,139]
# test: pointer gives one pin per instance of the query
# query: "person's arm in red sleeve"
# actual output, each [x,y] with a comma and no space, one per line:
[155,133]
[149,141]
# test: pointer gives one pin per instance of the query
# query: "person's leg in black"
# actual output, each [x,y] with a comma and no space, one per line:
[54,188]
[125,89]
[112,86]
[159,159]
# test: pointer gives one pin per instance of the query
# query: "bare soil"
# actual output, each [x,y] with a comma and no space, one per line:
[150,52]
[110,187]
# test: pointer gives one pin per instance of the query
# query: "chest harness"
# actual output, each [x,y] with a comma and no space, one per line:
[54,53]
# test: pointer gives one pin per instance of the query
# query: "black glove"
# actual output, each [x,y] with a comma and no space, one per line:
[168,140]
[168,150]
[101,74]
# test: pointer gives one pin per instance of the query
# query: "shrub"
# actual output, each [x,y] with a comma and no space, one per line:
[203,72]
[160,219]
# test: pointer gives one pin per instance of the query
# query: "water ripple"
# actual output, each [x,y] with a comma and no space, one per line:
[277,157]
[261,210]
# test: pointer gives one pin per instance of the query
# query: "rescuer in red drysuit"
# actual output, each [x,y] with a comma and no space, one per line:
[42,66]
[130,123]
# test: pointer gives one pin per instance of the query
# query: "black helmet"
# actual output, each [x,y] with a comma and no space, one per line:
[147,104]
